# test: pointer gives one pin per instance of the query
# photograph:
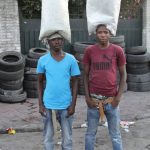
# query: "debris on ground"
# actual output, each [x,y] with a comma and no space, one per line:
[84,125]
[11,131]
[123,124]
[126,124]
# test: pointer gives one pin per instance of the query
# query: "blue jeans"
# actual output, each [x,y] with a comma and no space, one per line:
[66,127]
[113,119]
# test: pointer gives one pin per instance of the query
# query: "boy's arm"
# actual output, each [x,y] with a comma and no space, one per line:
[41,78]
[71,108]
[123,77]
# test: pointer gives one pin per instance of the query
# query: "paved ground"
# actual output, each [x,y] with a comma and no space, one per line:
[25,119]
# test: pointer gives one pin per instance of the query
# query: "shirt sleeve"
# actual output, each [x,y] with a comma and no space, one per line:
[86,57]
[121,57]
[40,68]
[74,68]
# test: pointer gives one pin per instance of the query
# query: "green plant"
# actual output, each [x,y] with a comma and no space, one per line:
[30,8]
[130,9]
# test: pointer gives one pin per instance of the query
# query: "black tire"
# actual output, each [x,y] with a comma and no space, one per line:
[13,98]
[139,87]
[117,39]
[81,66]
[80,47]
[137,50]
[31,62]
[36,53]
[11,61]
[31,75]
[33,85]
[32,93]
[79,57]
[138,78]
[138,58]
[138,65]
[121,44]
[137,71]
[10,92]
[81,91]
[30,70]
[11,85]
[10,76]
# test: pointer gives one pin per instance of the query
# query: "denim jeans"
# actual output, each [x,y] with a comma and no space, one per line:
[66,128]
[113,119]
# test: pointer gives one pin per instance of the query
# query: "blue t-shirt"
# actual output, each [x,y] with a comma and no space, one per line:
[57,93]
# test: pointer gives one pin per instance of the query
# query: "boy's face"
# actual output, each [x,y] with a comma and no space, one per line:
[56,44]
[103,34]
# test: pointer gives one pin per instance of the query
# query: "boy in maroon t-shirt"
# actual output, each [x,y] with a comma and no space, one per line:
[101,62]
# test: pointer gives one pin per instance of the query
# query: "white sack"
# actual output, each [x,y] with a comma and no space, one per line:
[55,17]
[102,12]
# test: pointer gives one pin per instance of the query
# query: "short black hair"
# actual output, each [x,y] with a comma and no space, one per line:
[100,25]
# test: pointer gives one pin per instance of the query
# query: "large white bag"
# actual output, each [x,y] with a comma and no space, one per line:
[102,12]
[55,17]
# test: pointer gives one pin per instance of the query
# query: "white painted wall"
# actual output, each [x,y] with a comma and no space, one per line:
[9,26]
[146,24]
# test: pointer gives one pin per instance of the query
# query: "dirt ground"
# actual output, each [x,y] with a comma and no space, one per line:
[138,138]
[135,106]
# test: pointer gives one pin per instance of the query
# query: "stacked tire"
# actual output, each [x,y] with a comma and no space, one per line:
[138,69]
[30,75]
[11,77]
[118,40]
[79,48]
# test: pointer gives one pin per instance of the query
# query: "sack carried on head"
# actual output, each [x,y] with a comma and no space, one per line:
[55,18]
[102,12]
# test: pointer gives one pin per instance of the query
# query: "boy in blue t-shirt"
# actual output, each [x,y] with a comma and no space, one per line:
[58,68]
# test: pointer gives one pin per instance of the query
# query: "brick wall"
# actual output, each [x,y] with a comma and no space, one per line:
[9,26]
[146,24]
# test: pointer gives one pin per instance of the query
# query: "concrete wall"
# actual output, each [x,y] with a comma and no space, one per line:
[146,24]
[9,26]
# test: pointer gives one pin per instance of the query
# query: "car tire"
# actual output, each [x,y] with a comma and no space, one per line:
[13,98]
[11,92]
[11,76]
[11,61]
[137,50]
[36,53]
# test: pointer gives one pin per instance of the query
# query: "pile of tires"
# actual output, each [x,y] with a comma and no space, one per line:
[30,75]
[118,40]
[79,48]
[11,77]
[138,69]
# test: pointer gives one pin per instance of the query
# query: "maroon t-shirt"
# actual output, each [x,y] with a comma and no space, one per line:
[103,68]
